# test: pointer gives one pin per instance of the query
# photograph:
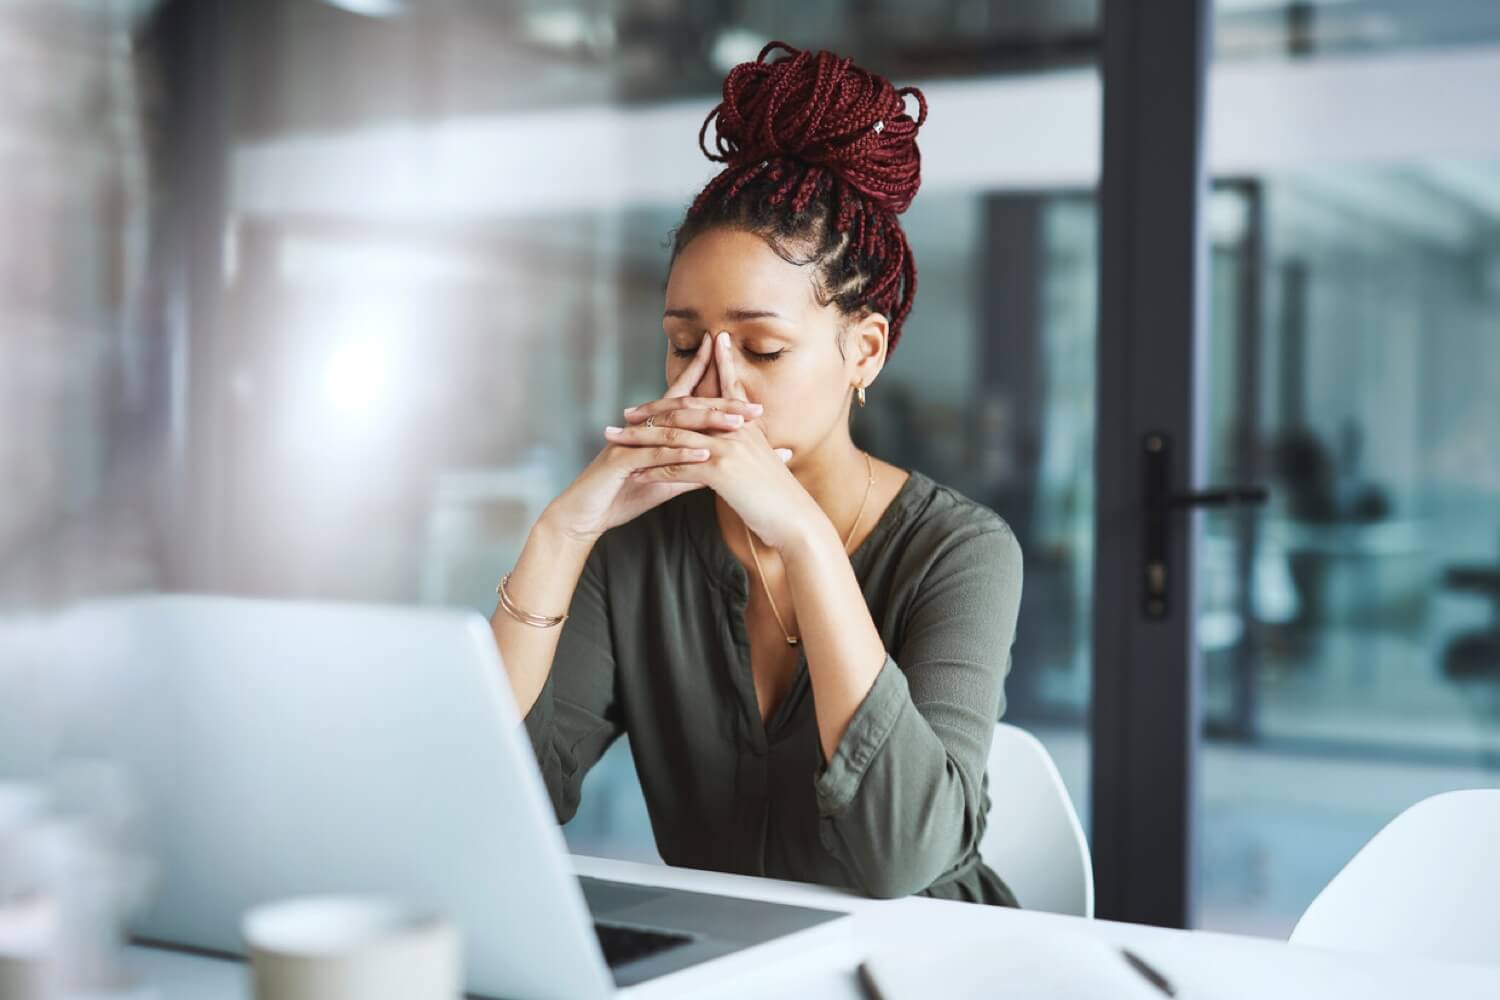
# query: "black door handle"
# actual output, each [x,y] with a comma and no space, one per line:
[1160,503]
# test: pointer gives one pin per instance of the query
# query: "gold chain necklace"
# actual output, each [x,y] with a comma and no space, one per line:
[792,640]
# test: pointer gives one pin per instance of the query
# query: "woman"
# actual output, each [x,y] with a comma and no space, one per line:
[807,646]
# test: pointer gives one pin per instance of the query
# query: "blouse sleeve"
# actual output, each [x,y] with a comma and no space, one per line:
[576,717]
[901,801]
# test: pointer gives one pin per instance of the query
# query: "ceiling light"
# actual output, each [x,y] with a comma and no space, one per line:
[370,8]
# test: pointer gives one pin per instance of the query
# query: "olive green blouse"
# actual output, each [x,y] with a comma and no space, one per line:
[655,647]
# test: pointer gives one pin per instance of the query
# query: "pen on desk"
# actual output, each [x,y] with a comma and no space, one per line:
[1153,977]
[867,984]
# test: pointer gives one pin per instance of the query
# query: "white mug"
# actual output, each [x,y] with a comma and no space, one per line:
[351,948]
[29,969]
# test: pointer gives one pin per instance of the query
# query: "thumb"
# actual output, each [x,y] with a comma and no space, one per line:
[708,381]
[785,454]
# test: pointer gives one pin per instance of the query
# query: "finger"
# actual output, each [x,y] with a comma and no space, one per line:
[641,436]
[697,473]
[656,407]
[683,384]
[729,375]
[692,419]
[636,459]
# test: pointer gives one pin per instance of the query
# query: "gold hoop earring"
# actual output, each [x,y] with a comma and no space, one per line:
[860,393]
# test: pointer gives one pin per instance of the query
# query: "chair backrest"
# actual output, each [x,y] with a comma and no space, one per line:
[1033,839]
[1425,886]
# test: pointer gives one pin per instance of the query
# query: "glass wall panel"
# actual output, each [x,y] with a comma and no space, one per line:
[431,312]
[1350,633]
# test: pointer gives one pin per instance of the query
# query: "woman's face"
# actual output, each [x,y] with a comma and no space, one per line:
[785,343]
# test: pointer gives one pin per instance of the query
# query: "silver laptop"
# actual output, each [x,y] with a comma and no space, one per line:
[292,748]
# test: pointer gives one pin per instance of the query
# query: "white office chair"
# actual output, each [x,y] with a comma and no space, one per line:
[1033,839]
[1425,886]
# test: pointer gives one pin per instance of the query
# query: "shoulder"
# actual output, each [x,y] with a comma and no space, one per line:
[949,527]
[955,564]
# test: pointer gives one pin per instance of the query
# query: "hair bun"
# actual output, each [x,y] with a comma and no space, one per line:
[822,109]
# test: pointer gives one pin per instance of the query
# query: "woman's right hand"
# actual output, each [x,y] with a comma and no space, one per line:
[607,493]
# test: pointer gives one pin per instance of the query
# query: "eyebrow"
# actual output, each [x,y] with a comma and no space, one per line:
[731,314]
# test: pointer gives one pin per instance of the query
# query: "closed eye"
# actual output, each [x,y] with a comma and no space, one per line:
[755,356]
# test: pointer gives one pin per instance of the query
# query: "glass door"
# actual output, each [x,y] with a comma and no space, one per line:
[1297,630]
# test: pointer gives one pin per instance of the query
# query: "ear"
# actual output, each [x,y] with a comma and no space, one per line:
[865,347]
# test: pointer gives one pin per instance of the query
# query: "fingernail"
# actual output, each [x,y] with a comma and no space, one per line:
[631,410]
[785,453]
[724,338]
[756,408]
[611,430]
[733,419]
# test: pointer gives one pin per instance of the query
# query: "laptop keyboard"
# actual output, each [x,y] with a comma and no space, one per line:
[629,944]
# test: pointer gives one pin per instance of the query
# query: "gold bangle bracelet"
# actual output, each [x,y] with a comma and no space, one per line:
[525,617]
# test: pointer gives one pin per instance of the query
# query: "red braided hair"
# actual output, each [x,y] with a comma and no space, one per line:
[818,151]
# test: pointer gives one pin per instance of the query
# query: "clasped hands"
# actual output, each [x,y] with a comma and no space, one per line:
[730,454]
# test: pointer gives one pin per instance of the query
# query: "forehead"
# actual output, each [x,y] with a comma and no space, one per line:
[724,267]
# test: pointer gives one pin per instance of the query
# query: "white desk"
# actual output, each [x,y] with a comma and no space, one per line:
[1200,964]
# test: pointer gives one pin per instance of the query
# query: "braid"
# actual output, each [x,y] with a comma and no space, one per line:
[820,153]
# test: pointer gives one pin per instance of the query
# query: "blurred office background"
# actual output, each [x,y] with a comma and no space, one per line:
[329,299]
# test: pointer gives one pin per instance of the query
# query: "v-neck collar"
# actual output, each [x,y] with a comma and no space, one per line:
[734,583]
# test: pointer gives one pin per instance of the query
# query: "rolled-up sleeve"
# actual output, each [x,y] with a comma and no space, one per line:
[576,717]
[900,801]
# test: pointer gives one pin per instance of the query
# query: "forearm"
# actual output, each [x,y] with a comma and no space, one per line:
[902,799]
[901,815]
[542,582]
[844,649]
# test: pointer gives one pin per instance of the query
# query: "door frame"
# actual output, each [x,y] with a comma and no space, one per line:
[1151,352]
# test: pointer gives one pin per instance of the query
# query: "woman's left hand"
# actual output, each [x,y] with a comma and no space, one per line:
[742,467]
